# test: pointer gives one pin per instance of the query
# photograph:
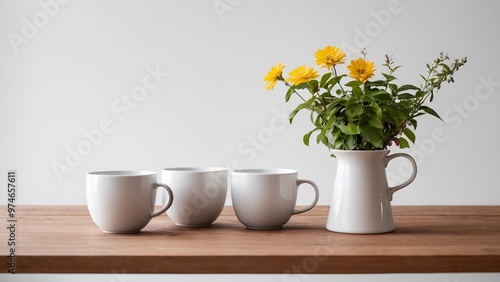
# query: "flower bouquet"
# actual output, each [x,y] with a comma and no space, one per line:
[361,114]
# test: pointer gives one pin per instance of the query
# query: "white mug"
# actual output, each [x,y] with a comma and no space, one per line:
[123,201]
[266,198]
[200,194]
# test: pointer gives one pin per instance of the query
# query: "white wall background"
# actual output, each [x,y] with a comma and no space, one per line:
[67,68]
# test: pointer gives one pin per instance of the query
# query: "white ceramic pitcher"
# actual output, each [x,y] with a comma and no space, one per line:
[361,201]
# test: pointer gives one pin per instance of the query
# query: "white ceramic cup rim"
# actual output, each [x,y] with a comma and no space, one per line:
[121,173]
[265,171]
[194,169]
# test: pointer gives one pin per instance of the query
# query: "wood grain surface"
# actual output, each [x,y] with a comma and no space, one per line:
[63,239]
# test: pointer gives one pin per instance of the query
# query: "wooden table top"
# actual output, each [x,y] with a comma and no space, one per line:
[64,239]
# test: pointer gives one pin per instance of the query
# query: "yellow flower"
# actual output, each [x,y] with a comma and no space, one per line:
[361,69]
[329,56]
[275,74]
[302,74]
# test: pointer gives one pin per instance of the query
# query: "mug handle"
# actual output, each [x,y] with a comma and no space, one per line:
[300,182]
[170,199]
[392,190]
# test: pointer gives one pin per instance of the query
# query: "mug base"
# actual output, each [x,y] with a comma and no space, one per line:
[121,232]
[194,225]
[264,228]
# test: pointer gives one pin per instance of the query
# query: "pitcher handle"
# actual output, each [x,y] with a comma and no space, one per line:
[392,190]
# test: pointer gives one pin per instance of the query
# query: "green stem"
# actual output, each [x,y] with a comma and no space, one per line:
[295,91]
[335,74]
[308,106]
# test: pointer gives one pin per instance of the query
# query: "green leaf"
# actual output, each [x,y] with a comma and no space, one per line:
[371,134]
[353,108]
[299,108]
[339,142]
[390,120]
[376,83]
[414,123]
[394,89]
[303,85]
[430,111]
[326,95]
[306,137]
[311,100]
[388,77]
[334,80]
[351,142]
[318,121]
[374,121]
[332,138]
[330,121]
[289,94]
[367,99]
[395,112]
[324,79]
[353,128]
[335,102]
[446,67]
[380,95]
[409,134]
[357,92]
[349,129]
[376,110]
[403,143]
[407,87]
[404,96]
[313,86]
[354,83]
[321,136]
